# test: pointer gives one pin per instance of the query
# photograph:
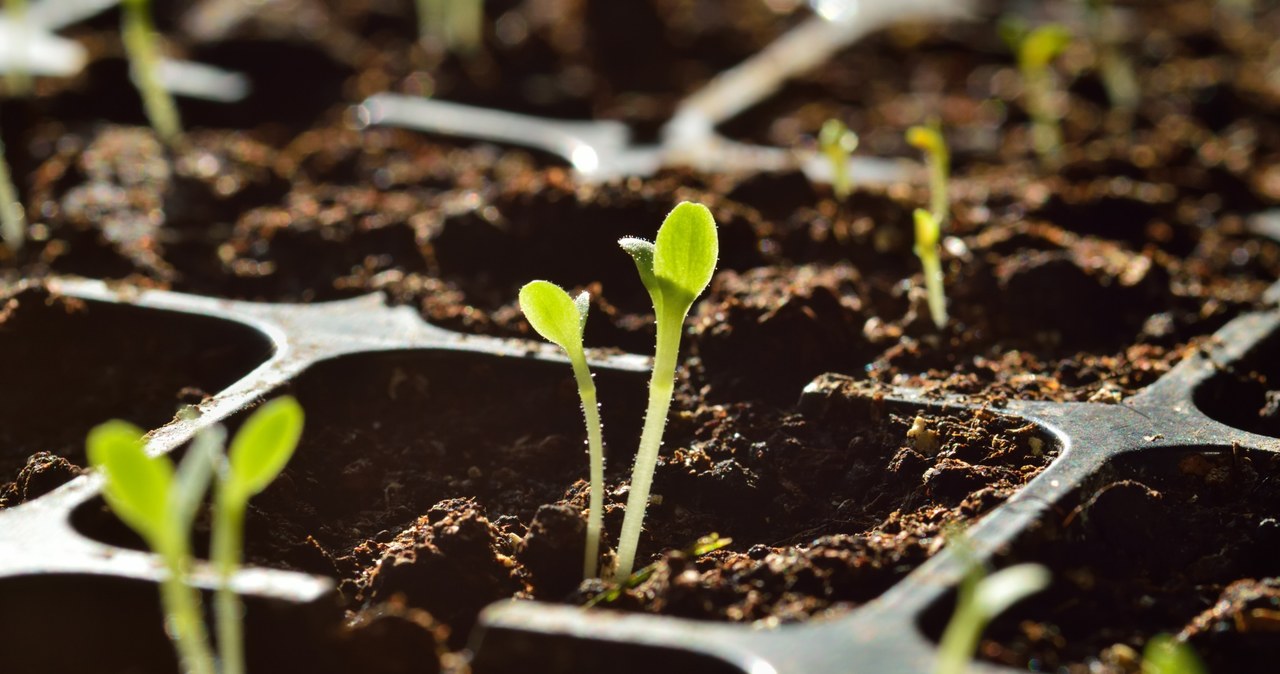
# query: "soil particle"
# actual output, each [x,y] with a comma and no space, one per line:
[551,552]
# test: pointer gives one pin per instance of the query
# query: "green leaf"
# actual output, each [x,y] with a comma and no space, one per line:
[553,314]
[264,445]
[1042,45]
[834,135]
[1006,587]
[583,304]
[1165,654]
[927,233]
[136,485]
[194,475]
[685,253]
[642,252]
[927,138]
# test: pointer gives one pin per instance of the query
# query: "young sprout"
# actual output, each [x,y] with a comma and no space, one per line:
[979,599]
[1116,70]
[675,269]
[159,503]
[837,142]
[927,235]
[929,140]
[1035,50]
[13,226]
[457,25]
[1165,654]
[18,80]
[561,320]
[140,42]
[259,452]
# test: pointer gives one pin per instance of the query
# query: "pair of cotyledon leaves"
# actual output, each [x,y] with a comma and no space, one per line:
[675,268]
[159,501]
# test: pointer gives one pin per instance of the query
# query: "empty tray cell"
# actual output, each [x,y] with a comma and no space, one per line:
[69,365]
[1179,542]
[1246,394]
[456,479]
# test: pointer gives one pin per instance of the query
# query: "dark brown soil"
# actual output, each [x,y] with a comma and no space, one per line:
[1181,543]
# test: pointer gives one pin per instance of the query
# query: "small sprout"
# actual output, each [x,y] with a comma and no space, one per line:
[13,221]
[705,545]
[140,42]
[159,503]
[929,140]
[675,269]
[18,80]
[837,142]
[456,25]
[1116,70]
[258,454]
[1035,49]
[979,599]
[1166,654]
[561,320]
[927,235]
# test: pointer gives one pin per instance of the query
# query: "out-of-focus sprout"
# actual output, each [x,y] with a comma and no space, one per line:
[837,142]
[456,25]
[141,42]
[928,234]
[18,79]
[1035,50]
[13,226]
[1115,68]
[929,139]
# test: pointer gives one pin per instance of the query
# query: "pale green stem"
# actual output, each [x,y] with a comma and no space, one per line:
[840,182]
[183,619]
[595,445]
[140,42]
[661,387]
[18,79]
[228,532]
[13,228]
[1046,132]
[960,640]
[466,25]
[933,284]
[940,204]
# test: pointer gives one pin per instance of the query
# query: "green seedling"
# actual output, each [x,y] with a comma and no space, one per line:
[13,225]
[675,269]
[706,544]
[1165,654]
[1116,70]
[837,142]
[18,80]
[258,454]
[140,42]
[457,25]
[160,503]
[929,140]
[561,320]
[980,598]
[928,233]
[1035,50]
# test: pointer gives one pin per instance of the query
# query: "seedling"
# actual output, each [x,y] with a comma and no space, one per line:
[929,139]
[927,235]
[675,269]
[706,544]
[1165,654]
[140,42]
[159,503]
[561,320]
[458,25]
[258,453]
[979,599]
[18,80]
[13,226]
[1116,70]
[837,142]
[1035,50]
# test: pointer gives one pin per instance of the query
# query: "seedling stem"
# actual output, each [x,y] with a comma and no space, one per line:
[13,226]
[930,140]
[140,39]
[837,143]
[927,249]
[18,80]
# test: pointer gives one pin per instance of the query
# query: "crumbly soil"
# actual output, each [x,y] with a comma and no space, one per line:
[1181,544]
[1084,281]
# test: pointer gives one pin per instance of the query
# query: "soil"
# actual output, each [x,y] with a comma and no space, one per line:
[1080,282]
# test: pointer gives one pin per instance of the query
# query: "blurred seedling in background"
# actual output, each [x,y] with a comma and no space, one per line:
[561,320]
[18,79]
[13,225]
[837,143]
[937,157]
[675,269]
[1035,50]
[1114,67]
[141,42]
[1166,654]
[928,235]
[161,503]
[455,25]
[979,599]
[258,454]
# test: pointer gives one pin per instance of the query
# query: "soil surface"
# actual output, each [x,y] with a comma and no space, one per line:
[1083,280]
